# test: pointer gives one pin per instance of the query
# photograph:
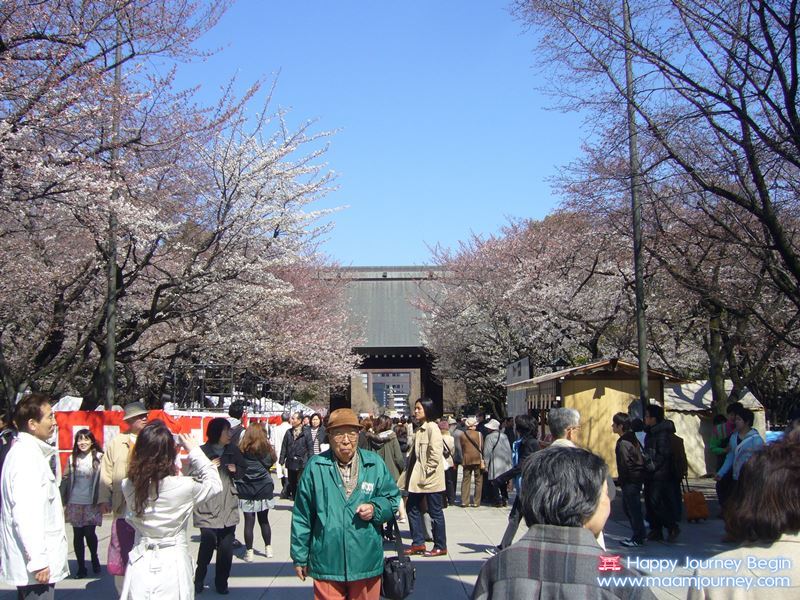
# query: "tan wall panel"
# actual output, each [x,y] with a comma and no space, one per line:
[598,400]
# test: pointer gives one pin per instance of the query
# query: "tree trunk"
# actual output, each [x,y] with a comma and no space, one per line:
[94,393]
[716,362]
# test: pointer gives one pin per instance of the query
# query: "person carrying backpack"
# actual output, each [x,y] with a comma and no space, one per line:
[660,487]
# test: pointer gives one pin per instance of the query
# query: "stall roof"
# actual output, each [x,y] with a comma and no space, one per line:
[695,396]
[607,366]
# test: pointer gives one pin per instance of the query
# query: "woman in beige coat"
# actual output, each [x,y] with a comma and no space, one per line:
[426,481]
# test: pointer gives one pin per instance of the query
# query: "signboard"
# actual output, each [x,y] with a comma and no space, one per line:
[516,402]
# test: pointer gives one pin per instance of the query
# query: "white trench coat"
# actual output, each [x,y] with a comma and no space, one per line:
[32,531]
[160,566]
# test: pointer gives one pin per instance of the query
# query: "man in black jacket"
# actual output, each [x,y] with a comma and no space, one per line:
[658,489]
[630,467]
[237,411]
[297,448]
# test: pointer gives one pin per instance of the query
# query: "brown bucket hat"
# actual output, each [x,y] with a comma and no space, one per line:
[342,417]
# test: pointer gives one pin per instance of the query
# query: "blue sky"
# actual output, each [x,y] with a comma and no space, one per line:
[442,131]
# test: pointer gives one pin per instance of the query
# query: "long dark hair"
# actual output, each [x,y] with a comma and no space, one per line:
[96,450]
[429,408]
[152,459]
[216,427]
[525,425]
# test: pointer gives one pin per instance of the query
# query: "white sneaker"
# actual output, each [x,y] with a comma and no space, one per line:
[248,555]
[269,551]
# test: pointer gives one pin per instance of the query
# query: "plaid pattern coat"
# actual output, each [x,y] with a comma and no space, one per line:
[551,562]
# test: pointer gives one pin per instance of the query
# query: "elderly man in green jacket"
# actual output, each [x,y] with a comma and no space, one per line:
[344,496]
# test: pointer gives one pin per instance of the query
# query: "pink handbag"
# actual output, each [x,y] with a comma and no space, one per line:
[122,535]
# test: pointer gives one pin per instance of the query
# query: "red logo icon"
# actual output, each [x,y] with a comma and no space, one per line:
[610,563]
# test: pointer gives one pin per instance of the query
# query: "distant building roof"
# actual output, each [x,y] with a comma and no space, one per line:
[696,396]
[605,367]
[382,302]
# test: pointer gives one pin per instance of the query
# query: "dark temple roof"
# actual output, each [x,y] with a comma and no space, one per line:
[382,302]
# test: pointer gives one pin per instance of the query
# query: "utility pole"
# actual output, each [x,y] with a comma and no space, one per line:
[111,304]
[636,206]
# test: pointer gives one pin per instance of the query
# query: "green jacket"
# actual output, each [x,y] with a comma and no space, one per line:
[719,440]
[327,535]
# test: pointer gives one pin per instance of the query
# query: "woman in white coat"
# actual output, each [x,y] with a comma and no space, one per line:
[160,504]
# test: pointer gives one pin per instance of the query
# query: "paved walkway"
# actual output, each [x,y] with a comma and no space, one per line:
[470,531]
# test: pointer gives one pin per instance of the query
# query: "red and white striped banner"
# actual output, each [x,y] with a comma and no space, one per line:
[104,425]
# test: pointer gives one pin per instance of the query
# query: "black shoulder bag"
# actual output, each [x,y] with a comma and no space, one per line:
[410,467]
[399,574]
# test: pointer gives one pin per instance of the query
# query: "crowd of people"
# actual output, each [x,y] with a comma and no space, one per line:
[351,481]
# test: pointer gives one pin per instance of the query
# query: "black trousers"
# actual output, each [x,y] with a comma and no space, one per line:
[496,494]
[724,489]
[294,477]
[220,540]
[514,519]
[632,505]
[450,477]
[662,511]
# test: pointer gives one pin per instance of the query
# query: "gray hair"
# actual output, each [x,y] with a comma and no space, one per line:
[560,419]
[562,486]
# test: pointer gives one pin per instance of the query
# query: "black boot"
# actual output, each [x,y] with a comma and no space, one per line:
[79,557]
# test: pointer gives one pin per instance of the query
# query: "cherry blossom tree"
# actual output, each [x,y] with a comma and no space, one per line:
[716,97]
[716,105]
[553,290]
[214,232]
[705,283]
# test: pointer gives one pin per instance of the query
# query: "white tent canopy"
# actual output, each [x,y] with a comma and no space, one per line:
[696,396]
[688,406]
[68,403]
